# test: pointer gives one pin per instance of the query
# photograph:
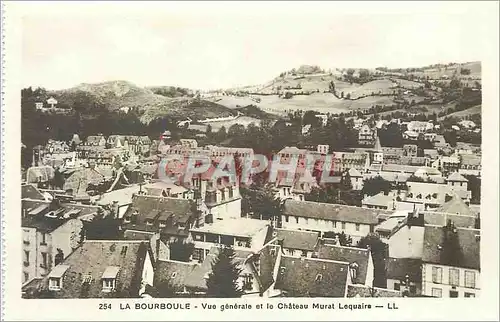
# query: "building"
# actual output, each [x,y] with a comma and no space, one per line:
[420,127]
[451,262]
[242,234]
[52,102]
[189,143]
[356,179]
[95,140]
[103,269]
[404,275]
[297,243]
[446,164]
[311,277]
[51,231]
[355,222]
[360,261]
[343,161]
[323,149]
[366,136]
[470,165]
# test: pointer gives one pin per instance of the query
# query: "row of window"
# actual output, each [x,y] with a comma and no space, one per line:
[334,223]
[108,284]
[454,277]
[44,263]
[43,242]
[437,292]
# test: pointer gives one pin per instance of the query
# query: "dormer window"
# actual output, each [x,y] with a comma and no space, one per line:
[149,222]
[56,277]
[318,278]
[55,284]
[127,219]
[162,224]
[109,278]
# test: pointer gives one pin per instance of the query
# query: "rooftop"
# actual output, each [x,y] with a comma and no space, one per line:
[297,239]
[241,227]
[350,255]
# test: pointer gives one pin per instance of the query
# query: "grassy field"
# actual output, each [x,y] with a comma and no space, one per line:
[461,114]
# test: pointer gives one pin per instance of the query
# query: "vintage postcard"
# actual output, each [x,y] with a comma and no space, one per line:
[253,161]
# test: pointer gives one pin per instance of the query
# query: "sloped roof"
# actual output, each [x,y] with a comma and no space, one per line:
[81,178]
[198,276]
[456,206]
[455,176]
[172,272]
[468,245]
[31,192]
[308,277]
[39,174]
[297,239]
[398,268]
[366,291]
[92,259]
[350,255]
[354,173]
[380,200]
[326,211]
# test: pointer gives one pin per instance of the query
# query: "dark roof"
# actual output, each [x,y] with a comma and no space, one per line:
[456,206]
[467,253]
[308,277]
[268,257]
[137,235]
[173,273]
[31,192]
[173,211]
[34,214]
[326,211]
[92,259]
[398,268]
[350,255]
[297,239]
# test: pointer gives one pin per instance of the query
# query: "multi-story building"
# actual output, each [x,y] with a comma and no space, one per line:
[51,231]
[355,222]
[366,136]
[450,262]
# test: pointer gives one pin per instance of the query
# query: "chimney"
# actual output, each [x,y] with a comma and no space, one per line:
[116,209]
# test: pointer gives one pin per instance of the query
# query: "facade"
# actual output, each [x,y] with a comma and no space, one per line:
[366,136]
[355,222]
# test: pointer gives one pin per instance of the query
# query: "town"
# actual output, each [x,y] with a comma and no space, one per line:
[400,216]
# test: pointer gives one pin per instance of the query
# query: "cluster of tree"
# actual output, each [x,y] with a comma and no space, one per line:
[181,250]
[341,193]
[261,202]
[374,186]
[172,91]
[474,185]
[379,252]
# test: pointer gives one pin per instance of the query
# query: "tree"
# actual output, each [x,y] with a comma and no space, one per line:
[374,186]
[379,254]
[261,201]
[222,282]
[181,251]
[474,185]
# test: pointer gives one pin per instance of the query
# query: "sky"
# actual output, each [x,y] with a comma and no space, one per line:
[209,49]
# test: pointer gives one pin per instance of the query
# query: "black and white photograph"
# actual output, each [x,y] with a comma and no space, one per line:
[248,155]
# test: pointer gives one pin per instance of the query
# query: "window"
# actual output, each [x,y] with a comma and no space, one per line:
[198,254]
[319,277]
[149,223]
[397,286]
[454,277]
[26,257]
[343,226]
[466,294]
[470,279]
[286,218]
[26,277]
[162,224]
[127,219]
[437,292]
[453,294]
[174,274]
[334,224]
[304,253]
[55,283]
[290,252]
[108,284]
[437,275]
[357,227]
[44,239]
[44,260]
[297,219]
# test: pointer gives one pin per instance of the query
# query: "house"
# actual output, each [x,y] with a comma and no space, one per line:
[356,222]
[52,102]
[457,181]
[411,135]
[451,262]
[171,218]
[189,143]
[167,189]
[366,136]
[95,140]
[323,148]
[296,243]
[404,275]
[470,165]
[379,201]
[446,164]
[103,269]
[434,195]
[356,179]
[343,161]
[420,127]
[360,262]
[311,277]
[242,233]
[39,105]
[82,179]
[50,232]
[171,276]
